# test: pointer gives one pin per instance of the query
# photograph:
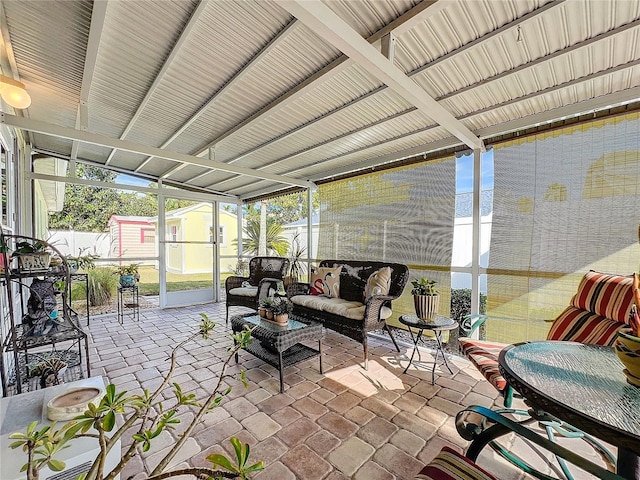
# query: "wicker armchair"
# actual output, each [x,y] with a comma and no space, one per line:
[264,273]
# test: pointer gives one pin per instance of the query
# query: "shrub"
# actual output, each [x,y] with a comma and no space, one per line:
[461,303]
[102,285]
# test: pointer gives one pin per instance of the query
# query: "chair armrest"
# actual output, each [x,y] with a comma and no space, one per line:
[298,288]
[373,308]
[477,433]
[234,281]
[471,323]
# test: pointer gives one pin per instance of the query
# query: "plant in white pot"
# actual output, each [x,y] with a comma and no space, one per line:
[33,256]
[426,298]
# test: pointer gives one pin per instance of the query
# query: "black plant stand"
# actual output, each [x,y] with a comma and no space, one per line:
[128,303]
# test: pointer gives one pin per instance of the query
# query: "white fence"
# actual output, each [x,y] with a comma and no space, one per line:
[73,243]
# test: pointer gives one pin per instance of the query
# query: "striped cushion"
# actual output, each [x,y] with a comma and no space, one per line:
[605,294]
[450,465]
[575,325]
[484,355]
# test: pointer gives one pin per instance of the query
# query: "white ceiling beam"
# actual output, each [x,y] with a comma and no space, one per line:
[598,103]
[581,108]
[455,52]
[537,61]
[329,26]
[98,16]
[405,22]
[282,34]
[487,36]
[184,35]
[554,88]
[172,170]
[591,105]
[416,14]
[151,178]
[331,140]
[104,141]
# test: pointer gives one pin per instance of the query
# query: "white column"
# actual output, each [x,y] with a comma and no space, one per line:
[475,261]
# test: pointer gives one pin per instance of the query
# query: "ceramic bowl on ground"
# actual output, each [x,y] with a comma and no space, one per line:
[627,347]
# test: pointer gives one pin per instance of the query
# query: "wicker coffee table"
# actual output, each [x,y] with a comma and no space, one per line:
[280,346]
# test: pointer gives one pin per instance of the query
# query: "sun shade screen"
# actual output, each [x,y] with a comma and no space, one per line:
[403,215]
[564,202]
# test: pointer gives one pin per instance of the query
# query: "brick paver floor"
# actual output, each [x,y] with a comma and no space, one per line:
[348,423]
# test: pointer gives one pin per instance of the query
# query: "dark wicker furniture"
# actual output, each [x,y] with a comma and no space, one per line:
[264,272]
[278,345]
[353,279]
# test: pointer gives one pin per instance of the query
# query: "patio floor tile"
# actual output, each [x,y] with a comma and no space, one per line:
[349,423]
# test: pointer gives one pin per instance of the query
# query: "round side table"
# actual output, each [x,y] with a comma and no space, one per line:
[437,325]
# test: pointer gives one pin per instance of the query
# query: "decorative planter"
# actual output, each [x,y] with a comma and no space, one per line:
[282,318]
[34,262]
[426,306]
[269,314]
[127,280]
[262,312]
[627,347]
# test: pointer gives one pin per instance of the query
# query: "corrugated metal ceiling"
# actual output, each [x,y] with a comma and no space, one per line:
[249,84]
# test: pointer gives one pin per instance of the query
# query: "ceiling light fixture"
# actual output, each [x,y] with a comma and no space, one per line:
[14,92]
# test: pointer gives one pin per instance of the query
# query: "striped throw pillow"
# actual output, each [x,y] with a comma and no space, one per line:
[605,294]
[576,325]
[450,465]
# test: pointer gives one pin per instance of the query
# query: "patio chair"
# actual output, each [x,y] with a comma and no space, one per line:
[264,274]
[600,307]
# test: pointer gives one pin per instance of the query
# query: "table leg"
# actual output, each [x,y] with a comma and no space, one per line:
[281,369]
[628,465]
[320,354]
[441,349]
[415,347]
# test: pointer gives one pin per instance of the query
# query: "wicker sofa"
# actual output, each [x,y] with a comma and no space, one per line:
[350,314]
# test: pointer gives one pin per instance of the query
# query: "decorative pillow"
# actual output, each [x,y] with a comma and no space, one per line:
[325,281]
[605,294]
[378,283]
[450,465]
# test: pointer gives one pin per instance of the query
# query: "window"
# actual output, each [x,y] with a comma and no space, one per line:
[147,235]
[174,233]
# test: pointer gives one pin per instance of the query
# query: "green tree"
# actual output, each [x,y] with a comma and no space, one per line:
[87,208]
[276,243]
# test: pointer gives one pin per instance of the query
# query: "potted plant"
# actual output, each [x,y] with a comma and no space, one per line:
[32,256]
[267,306]
[129,274]
[81,262]
[281,309]
[627,343]
[296,266]
[425,298]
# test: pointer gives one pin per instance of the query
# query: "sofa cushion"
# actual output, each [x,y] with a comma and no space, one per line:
[325,281]
[576,325]
[484,355]
[336,306]
[244,291]
[378,283]
[605,294]
[450,465]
